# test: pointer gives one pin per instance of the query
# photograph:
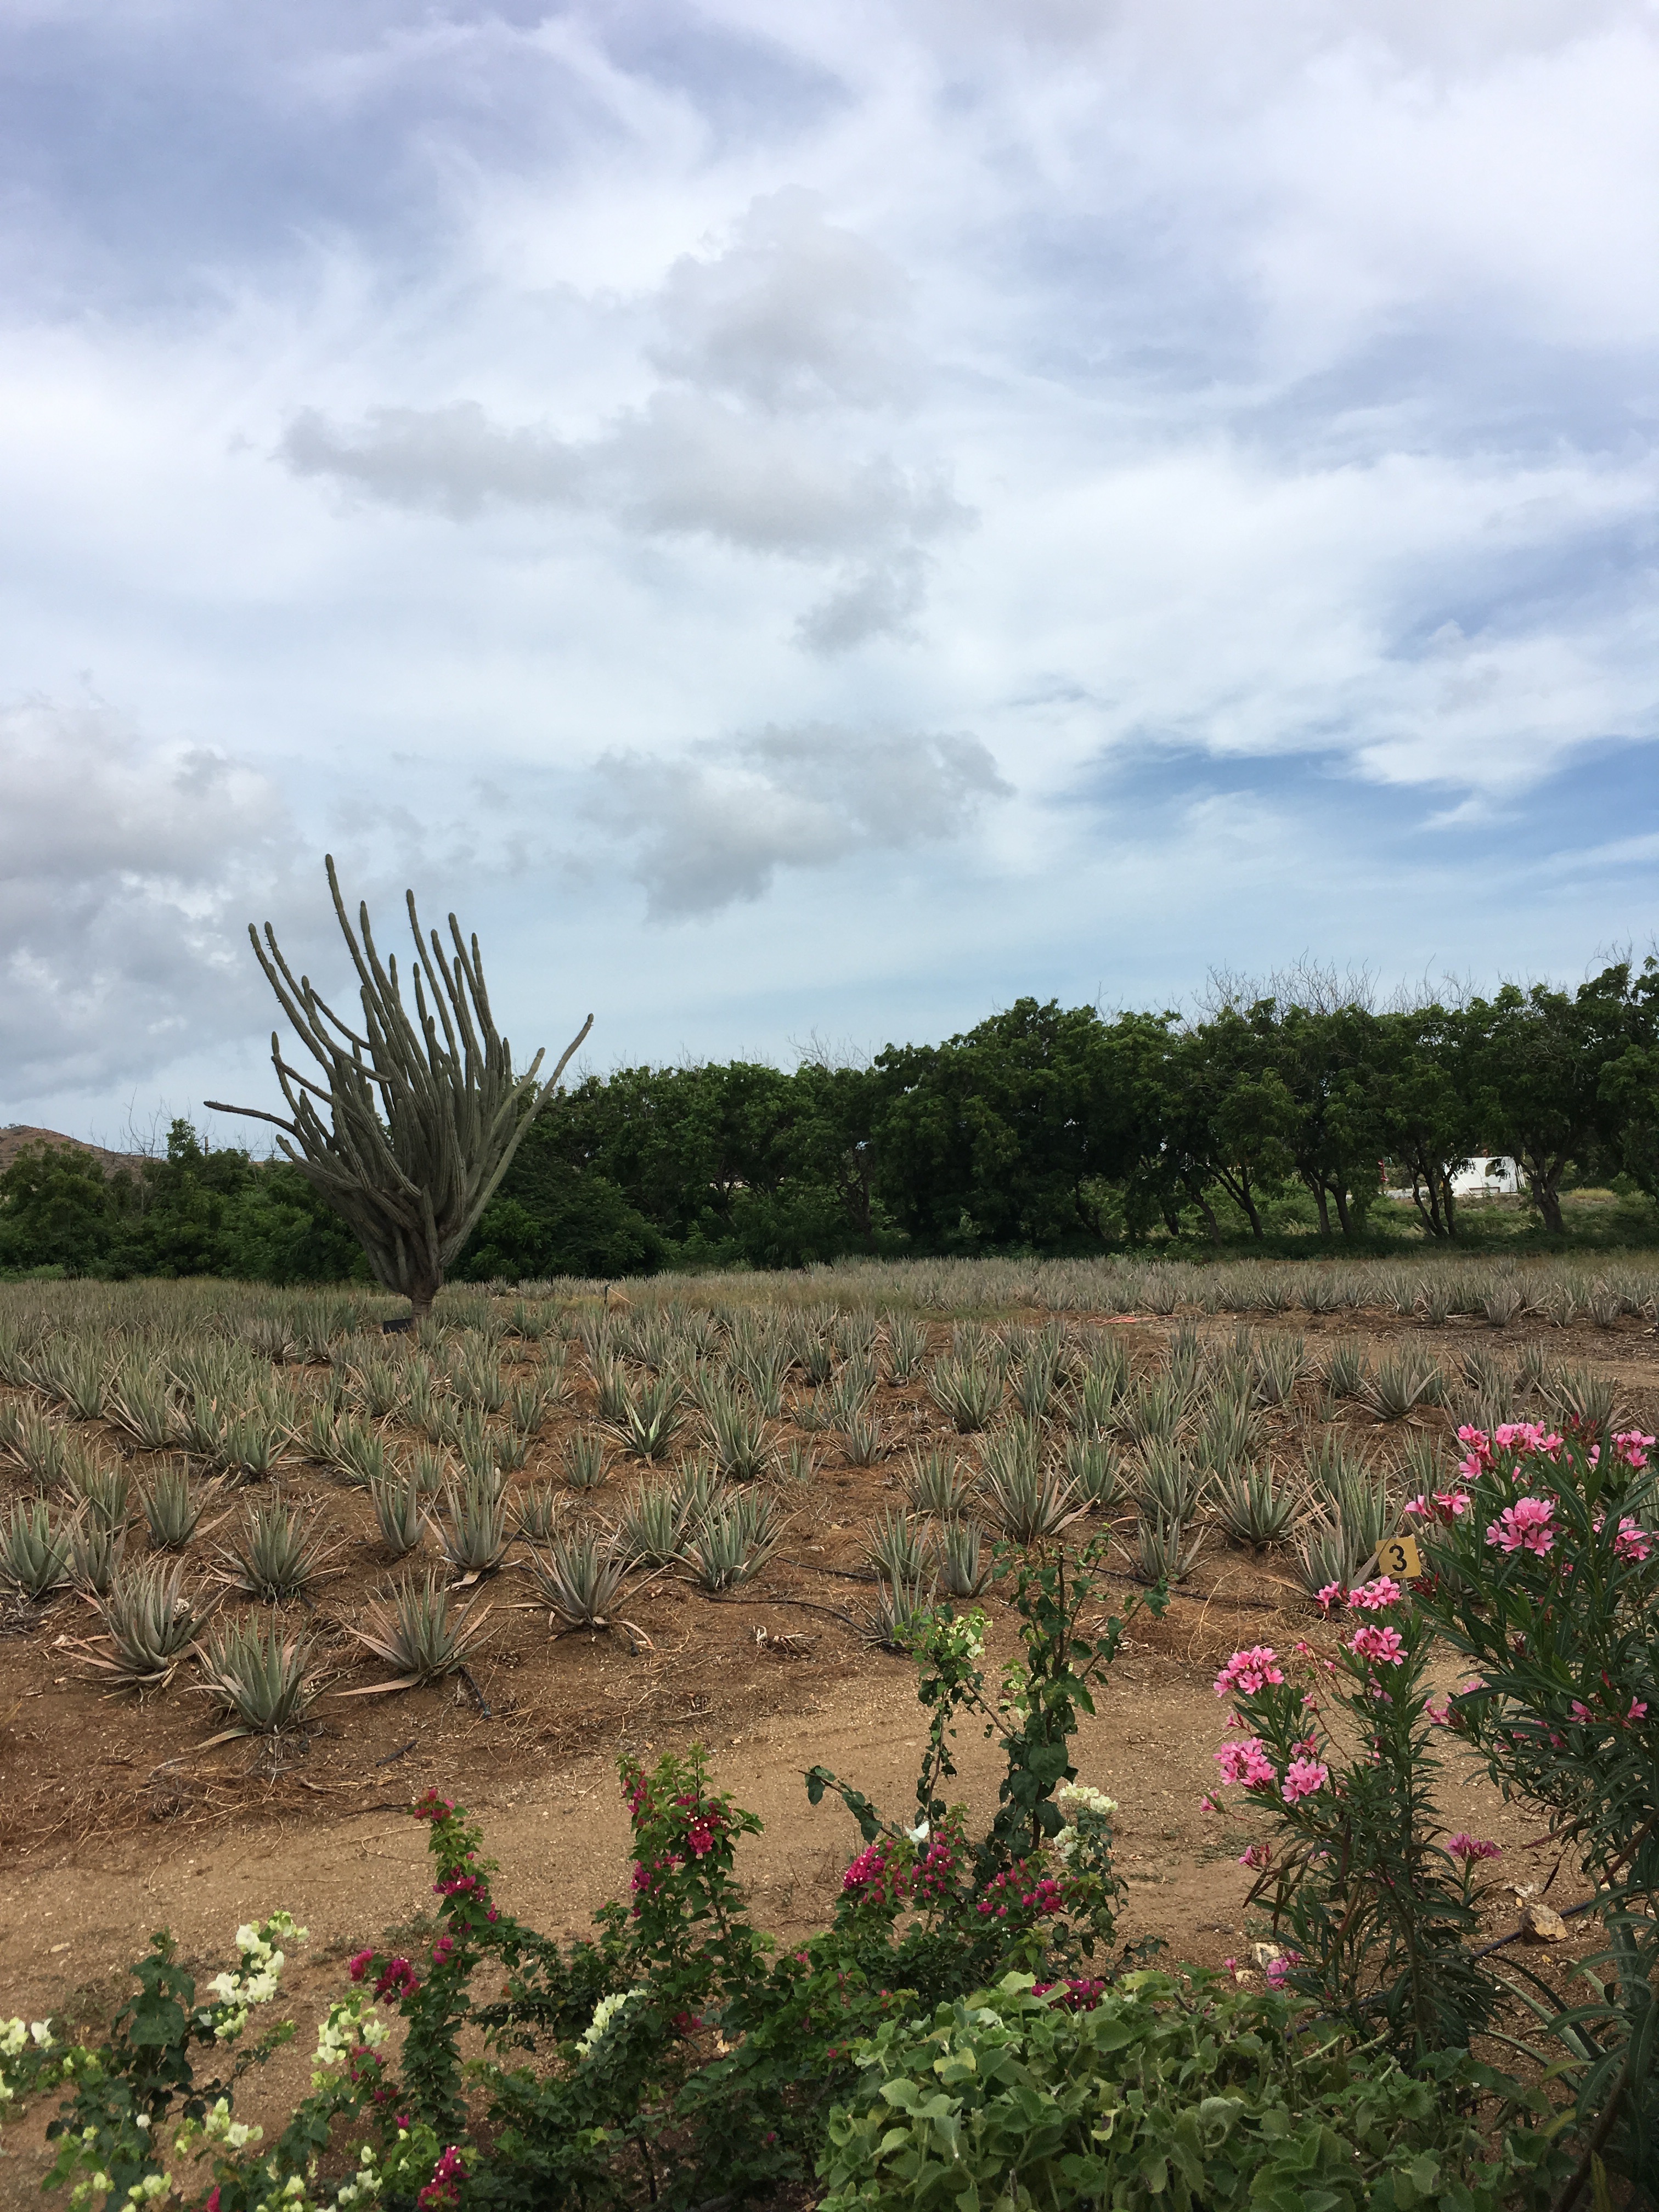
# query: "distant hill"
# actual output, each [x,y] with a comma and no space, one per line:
[14,1136]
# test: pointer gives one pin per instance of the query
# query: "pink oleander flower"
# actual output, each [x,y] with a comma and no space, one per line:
[1332,1594]
[1302,1776]
[1207,1804]
[1524,1527]
[1258,1857]
[1247,1672]
[1632,1542]
[1246,1762]
[1638,1711]
[1466,1848]
[1383,1647]
[1278,1969]
[1376,1596]
[1580,1711]
[1632,1447]
[1437,1711]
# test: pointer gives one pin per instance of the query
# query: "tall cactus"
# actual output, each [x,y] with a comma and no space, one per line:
[420,1127]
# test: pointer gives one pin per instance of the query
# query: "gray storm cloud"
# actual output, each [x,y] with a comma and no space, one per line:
[714,827]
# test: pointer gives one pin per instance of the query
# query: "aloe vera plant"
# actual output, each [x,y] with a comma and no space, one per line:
[174,1507]
[652,1525]
[277,1557]
[34,1550]
[1252,1507]
[580,1580]
[899,1612]
[963,1569]
[260,1678]
[418,1632]
[538,1511]
[937,1482]
[968,1394]
[736,1435]
[732,1542]
[1029,1502]
[150,1621]
[907,1348]
[1162,1553]
[897,1545]
[585,1466]
[95,1555]
[472,1529]
[1095,1472]
[398,1514]
[650,1416]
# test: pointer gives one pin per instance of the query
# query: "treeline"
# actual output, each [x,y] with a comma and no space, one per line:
[1043,1129]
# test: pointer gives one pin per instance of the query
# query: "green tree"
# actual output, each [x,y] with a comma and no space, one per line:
[1536,1060]
[1327,1059]
[1428,1120]
[58,1209]
[998,1135]
[1230,1115]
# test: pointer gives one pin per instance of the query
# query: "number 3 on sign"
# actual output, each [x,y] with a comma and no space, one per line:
[1398,1556]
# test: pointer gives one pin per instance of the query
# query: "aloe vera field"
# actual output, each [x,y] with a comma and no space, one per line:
[548,1525]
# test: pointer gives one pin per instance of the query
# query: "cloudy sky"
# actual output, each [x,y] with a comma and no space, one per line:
[809,522]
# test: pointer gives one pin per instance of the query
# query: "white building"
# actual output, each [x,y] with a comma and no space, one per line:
[1496,1173]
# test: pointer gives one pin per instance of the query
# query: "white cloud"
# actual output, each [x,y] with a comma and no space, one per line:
[126,873]
[714,828]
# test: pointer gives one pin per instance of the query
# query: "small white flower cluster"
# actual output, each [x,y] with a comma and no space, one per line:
[1072,1798]
[152,2186]
[604,2012]
[352,2024]
[15,2036]
[1079,1797]
[364,2185]
[219,2127]
[254,1981]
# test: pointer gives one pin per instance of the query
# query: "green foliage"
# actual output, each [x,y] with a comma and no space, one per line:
[1546,1571]
[1162,2092]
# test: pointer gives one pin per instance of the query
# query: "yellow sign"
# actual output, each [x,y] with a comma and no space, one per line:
[1398,1556]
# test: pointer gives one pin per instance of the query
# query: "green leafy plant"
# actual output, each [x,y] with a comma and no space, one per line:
[1160,2090]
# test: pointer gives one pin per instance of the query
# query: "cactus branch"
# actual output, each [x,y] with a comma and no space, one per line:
[424,1111]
